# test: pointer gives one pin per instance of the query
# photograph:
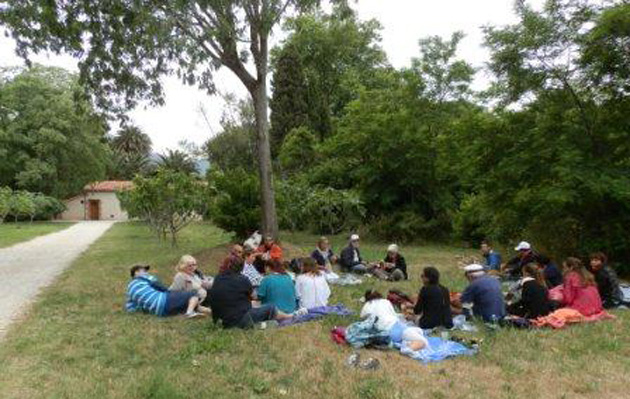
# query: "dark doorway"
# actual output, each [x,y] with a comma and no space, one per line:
[94,210]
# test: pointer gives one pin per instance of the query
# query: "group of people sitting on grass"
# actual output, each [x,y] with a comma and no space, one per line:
[256,285]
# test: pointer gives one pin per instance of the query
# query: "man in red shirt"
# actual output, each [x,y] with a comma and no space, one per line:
[269,250]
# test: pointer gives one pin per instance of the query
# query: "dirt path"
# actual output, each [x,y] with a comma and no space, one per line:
[27,267]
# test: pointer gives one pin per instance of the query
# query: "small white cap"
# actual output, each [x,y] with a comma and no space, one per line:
[473,268]
[523,246]
[354,237]
[393,248]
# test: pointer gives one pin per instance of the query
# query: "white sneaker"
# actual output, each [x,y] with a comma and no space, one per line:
[193,315]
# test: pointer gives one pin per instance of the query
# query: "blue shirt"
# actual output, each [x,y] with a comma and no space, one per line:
[145,293]
[487,298]
[493,260]
[278,290]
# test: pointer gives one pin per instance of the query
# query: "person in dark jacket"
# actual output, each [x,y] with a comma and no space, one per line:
[350,260]
[607,281]
[551,273]
[526,255]
[393,267]
[534,300]
[323,255]
[433,304]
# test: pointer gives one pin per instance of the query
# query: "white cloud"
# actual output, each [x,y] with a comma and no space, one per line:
[404,22]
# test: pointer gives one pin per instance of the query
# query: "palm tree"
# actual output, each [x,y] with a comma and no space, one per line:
[178,161]
[132,140]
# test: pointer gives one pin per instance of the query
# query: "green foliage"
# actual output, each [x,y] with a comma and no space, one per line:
[235,205]
[5,202]
[25,205]
[178,161]
[131,151]
[339,55]
[298,150]
[51,140]
[322,210]
[167,201]
[235,146]
[290,105]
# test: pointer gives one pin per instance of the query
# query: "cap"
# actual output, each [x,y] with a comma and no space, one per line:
[354,237]
[135,268]
[523,246]
[473,268]
[392,248]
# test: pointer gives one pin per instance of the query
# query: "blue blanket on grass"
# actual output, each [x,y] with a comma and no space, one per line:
[317,313]
[437,350]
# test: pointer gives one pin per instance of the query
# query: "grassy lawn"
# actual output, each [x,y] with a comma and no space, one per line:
[78,343]
[12,233]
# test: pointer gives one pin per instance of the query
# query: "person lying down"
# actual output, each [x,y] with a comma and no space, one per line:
[387,321]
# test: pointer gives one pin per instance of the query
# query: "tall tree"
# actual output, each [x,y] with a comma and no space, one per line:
[289,105]
[51,139]
[125,47]
[178,161]
[132,140]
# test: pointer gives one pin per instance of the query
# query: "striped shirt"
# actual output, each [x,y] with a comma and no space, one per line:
[142,295]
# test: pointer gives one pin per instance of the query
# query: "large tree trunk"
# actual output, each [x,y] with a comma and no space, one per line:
[265,171]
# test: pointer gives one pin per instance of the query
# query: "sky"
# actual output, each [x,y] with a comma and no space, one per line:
[404,23]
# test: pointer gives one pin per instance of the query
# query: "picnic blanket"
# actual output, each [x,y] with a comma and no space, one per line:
[437,350]
[317,313]
[344,279]
[564,316]
[364,333]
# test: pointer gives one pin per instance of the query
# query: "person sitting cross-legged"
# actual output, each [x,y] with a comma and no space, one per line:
[230,300]
[277,288]
[534,300]
[188,280]
[393,267]
[146,293]
[433,304]
[579,290]
[607,281]
[484,294]
[350,259]
[311,286]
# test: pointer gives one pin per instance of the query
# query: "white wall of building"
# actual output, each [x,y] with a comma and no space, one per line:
[78,207]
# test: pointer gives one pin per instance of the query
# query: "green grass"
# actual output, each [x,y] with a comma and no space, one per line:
[13,233]
[77,342]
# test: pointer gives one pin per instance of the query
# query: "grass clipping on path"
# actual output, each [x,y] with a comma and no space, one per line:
[77,342]
[13,233]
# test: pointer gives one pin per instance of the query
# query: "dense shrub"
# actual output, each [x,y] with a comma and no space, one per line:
[25,205]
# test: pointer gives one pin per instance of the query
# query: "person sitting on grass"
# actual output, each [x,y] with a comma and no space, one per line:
[146,293]
[277,288]
[394,267]
[250,271]
[230,300]
[387,321]
[350,260]
[492,258]
[434,302]
[534,300]
[323,255]
[311,286]
[187,280]
[607,281]
[235,253]
[484,294]
[269,250]
[526,255]
[579,291]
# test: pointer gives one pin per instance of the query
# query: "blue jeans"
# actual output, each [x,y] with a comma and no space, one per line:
[359,269]
[256,315]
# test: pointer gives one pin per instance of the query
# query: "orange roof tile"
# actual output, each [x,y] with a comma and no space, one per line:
[109,186]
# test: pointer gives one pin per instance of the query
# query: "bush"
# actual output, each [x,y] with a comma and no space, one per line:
[27,205]
[235,201]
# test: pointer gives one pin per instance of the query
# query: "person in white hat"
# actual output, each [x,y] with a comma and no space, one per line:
[393,267]
[484,294]
[526,255]
[350,257]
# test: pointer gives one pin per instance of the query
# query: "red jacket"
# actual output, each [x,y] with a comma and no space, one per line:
[583,298]
[275,252]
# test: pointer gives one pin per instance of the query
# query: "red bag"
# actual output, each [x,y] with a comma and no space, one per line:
[338,335]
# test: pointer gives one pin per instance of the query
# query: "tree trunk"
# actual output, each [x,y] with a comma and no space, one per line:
[265,171]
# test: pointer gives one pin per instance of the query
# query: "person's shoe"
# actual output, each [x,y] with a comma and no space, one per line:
[353,360]
[370,364]
[193,315]
[300,312]
[204,310]
[268,325]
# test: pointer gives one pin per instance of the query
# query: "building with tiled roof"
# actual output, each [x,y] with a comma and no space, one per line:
[98,201]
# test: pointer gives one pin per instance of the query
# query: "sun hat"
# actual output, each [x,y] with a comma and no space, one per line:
[473,268]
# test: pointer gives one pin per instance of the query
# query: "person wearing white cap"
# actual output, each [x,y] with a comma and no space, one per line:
[350,257]
[393,267]
[484,294]
[526,255]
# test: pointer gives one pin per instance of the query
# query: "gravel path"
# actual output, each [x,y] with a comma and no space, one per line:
[27,267]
